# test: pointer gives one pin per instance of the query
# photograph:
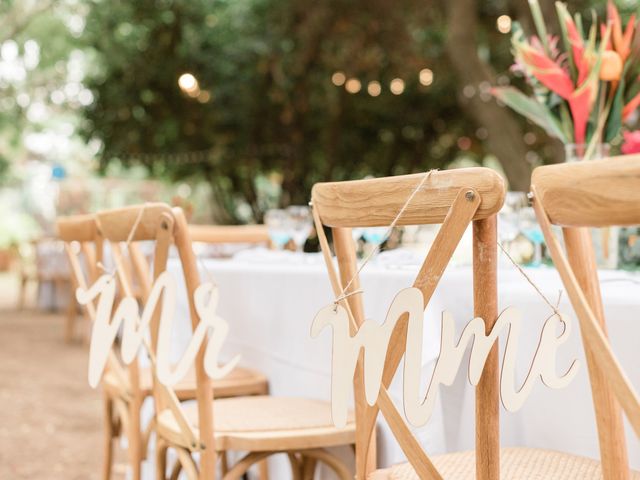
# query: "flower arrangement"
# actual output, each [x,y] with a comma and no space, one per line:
[584,92]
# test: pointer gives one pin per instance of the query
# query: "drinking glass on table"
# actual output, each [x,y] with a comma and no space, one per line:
[279,226]
[509,217]
[373,236]
[301,223]
[531,229]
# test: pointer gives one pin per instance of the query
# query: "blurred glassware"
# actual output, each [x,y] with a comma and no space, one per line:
[509,216]
[531,229]
[509,232]
[419,238]
[301,224]
[374,235]
[629,248]
[279,224]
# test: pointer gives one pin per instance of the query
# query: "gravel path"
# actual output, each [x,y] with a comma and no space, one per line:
[50,419]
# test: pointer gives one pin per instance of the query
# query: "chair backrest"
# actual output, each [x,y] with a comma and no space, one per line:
[165,226]
[453,198]
[576,196]
[80,234]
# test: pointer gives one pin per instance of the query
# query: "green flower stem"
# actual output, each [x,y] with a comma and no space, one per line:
[541,28]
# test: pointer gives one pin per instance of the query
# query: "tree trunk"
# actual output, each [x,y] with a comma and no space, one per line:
[505,137]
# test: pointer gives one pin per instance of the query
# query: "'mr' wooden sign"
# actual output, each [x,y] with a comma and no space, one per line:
[135,326]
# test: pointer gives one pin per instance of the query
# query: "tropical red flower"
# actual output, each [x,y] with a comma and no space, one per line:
[631,142]
[621,40]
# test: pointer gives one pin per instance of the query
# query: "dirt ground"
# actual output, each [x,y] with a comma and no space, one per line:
[50,419]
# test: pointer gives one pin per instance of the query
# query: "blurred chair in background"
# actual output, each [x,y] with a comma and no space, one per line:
[259,425]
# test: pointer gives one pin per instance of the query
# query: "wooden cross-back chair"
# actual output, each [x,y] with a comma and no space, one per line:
[453,198]
[576,196]
[123,395]
[259,425]
[126,387]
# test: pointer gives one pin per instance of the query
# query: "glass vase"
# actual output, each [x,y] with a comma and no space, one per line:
[576,152]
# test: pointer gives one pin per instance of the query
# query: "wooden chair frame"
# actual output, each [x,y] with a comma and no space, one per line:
[166,226]
[122,401]
[255,234]
[576,196]
[58,283]
[455,199]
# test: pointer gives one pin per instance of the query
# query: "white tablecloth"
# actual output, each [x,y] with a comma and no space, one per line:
[270,305]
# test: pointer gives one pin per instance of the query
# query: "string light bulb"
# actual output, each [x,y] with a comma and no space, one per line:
[353,85]
[374,88]
[188,83]
[503,23]
[338,79]
[396,86]
[426,76]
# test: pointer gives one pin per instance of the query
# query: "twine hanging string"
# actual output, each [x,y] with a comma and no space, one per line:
[129,239]
[343,295]
[127,243]
[532,283]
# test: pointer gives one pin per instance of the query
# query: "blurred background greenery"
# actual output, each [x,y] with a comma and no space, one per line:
[258,99]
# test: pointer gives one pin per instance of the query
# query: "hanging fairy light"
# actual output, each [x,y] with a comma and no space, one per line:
[188,83]
[338,79]
[503,23]
[426,76]
[353,85]
[396,86]
[374,88]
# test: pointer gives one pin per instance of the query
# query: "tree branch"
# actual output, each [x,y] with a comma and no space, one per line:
[505,137]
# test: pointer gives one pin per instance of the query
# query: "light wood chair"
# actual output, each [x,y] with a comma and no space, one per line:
[126,387]
[259,425]
[214,234]
[453,198]
[576,196]
[33,269]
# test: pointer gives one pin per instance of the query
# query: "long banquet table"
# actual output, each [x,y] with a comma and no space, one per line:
[270,300]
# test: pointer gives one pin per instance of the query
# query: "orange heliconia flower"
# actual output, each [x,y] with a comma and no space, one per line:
[621,40]
[611,67]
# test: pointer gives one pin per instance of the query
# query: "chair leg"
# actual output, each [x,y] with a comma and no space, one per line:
[263,469]
[23,293]
[224,462]
[161,459]
[71,320]
[134,438]
[175,472]
[308,468]
[296,466]
[330,460]
[240,469]
[109,434]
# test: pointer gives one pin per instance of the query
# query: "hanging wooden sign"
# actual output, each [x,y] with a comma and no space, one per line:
[373,339]
[135,326]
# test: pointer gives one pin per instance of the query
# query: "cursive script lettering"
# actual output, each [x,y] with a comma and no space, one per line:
[134,328]
[373,339]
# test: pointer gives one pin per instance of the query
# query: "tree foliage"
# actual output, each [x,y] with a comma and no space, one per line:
[269,104]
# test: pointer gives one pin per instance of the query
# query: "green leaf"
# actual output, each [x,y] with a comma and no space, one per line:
[534,111]
[563,14]
[614,122]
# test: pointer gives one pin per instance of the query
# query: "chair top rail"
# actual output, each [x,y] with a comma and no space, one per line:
[376,202]
[595,193]
[77,228]
[116,225]
[229,233]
